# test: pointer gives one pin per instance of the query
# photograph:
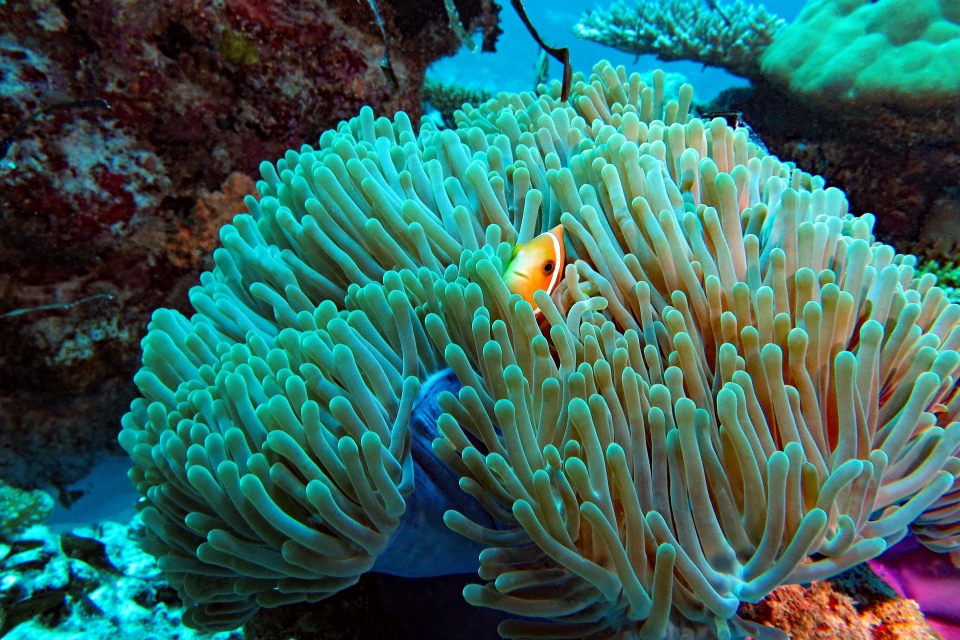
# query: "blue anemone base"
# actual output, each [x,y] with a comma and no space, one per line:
[423,546]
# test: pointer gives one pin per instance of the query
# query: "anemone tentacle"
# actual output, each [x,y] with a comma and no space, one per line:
[733,386]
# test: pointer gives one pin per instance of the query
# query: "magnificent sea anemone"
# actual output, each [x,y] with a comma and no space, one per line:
[733,386]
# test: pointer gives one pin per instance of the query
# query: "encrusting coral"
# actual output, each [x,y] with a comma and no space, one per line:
[733,388]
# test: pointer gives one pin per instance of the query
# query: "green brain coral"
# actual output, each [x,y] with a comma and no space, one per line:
[733,386]
[887,51]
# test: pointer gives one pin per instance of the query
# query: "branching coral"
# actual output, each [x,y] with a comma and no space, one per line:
[731,36]
[735,387]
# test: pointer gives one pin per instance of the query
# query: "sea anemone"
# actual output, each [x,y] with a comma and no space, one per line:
[734,386]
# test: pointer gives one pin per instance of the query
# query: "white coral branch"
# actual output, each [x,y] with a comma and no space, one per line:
[731,36]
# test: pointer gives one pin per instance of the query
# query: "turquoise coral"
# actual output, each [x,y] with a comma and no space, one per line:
[893,52]
[837,52]
[736,386]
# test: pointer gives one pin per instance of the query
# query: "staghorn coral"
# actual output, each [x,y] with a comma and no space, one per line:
[733,376]
[731,36]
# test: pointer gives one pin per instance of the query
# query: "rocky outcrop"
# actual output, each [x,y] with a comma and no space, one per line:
[107,214]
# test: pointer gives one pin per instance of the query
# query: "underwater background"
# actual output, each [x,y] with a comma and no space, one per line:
[503,70]
[132,134]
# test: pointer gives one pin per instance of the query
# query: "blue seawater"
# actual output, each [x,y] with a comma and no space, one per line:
[512,67]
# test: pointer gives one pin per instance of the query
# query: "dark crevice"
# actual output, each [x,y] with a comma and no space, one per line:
[70,13]
[181,206]
[175,40]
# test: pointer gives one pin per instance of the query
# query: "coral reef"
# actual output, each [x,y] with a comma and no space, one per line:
[839,54]
[734,388]
[94,582]
[368,366]
[98,205]
[732,36]
[850,91]
[21,509]
[863,52]
[87,584]
[675,440]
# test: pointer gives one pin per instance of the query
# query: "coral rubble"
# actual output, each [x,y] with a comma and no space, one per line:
[88,584]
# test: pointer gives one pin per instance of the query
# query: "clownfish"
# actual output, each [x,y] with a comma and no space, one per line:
[537,265]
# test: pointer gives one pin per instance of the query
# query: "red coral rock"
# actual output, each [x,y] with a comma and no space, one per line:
[196,237]
[856,605]
[97,206]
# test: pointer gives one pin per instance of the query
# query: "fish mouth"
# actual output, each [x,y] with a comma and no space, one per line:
[515,278]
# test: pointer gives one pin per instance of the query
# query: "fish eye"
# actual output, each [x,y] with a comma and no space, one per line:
[548,266]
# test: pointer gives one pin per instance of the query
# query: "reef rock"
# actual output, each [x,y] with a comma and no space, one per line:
[856,605]
[106,214]
[904,166]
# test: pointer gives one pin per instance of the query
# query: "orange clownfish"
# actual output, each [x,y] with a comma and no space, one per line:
[536,265]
